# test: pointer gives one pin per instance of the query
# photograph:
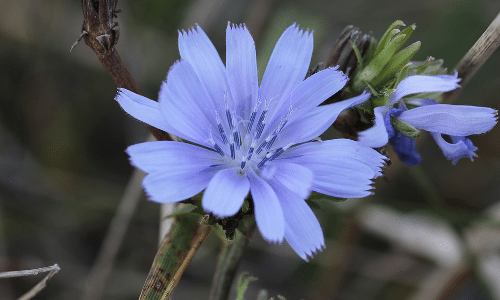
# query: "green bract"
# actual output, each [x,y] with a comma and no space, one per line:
[386,61]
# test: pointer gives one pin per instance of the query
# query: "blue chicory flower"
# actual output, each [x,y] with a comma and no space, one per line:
[455,121]
[249,138]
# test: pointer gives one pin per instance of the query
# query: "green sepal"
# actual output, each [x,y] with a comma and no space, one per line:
[389,33]
[395,64]
[405,128]
[407,32]
[242,284]
[376,66]
[430,66]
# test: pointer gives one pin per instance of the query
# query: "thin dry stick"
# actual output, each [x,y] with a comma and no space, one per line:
[31,272]
[42,284]
[476,56]
[95,285]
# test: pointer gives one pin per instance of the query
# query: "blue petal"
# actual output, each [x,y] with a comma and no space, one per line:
[341,167]
[187,105]
[241,65]
[424,84]
[458,120]
[268,212]
[226,192]
[406,149]
[375,136]
[143,109]
[196,48]
[162,155]
[459,148]
[343,149]
[310,93]
[314,123]
[302,230]
[294,177]
[177,171]
[176,184]
[287,65]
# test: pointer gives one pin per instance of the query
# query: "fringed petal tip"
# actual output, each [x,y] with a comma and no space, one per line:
[306,255]
[297,30]
[234,26]
[123,92]
[192,30]
[304,248]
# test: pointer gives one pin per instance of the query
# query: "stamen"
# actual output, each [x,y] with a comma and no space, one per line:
[262,162]
[252,117]
[220,128]
[216,147]
[229,117]
[236,138]
[271,142]
[261,124]
[250,152]
[259,149]
[276,154]
[233,153]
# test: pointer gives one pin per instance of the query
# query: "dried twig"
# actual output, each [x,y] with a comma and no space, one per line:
[31,272]
[100,32]
[37,288]
[41,285]
[476,56]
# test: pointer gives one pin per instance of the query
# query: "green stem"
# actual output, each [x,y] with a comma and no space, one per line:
[229,259]
[175,253]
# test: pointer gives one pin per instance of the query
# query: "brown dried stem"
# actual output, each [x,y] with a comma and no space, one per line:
[100,32]
[476,56]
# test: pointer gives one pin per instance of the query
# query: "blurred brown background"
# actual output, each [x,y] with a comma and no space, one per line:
[63,168]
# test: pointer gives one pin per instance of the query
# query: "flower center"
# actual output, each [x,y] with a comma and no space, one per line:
[241,142]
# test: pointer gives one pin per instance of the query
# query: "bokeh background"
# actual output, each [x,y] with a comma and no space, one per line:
[430,232]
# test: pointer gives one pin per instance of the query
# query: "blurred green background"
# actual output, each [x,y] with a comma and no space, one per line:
[430,232]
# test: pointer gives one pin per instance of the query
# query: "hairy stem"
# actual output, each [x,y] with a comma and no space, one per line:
[175,253]
[228,262]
